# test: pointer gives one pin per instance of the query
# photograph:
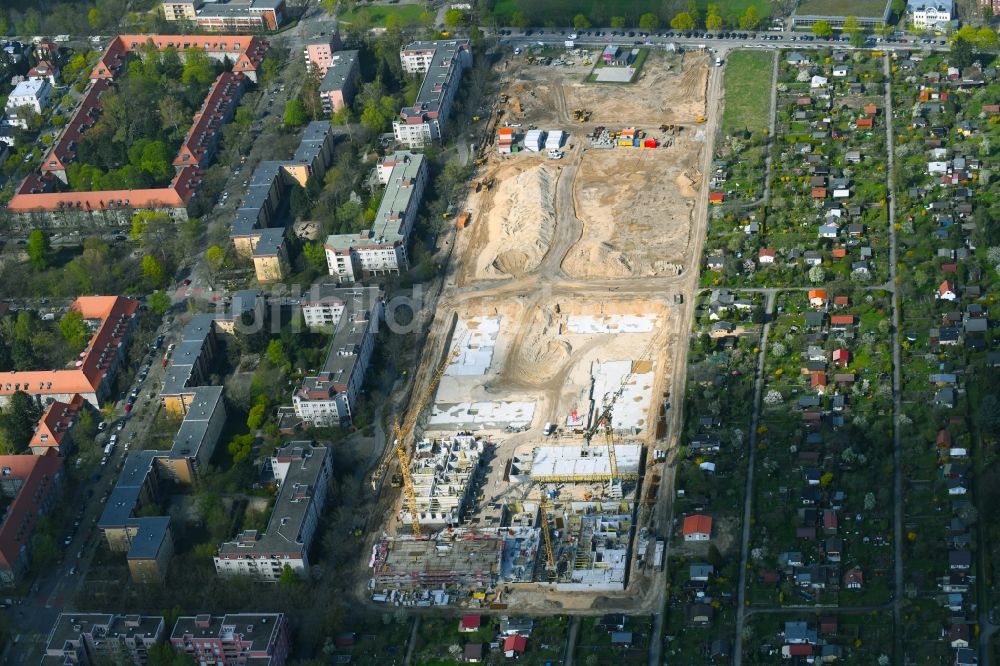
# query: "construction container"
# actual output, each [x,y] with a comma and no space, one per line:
[649,143]
[462,221]
[625,142]
[554,140]
[504,149]
[534,140]
[506,131]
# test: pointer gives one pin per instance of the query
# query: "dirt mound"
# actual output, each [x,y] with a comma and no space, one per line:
[591,258]
[520,224]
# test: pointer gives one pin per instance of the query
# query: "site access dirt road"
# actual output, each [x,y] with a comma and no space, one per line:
[598,230]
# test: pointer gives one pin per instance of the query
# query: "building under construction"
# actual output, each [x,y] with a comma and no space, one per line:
[590,545]
[579,463]
[468,560]
[442,472]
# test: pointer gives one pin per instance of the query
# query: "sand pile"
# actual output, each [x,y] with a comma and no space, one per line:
[520,224]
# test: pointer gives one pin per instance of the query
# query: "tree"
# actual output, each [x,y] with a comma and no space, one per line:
[682,21]
[295,113]
[692,10]
[455,18]
[961,52]
[162,654]
[152,270]
[580,22]
[39,249]
[276,353]
[817,274]
[214,256]
[988,416]
[198,67]
[712,19]
[74,330]
[519,20]
[852,28]
[315,255]
[649,21]
[240,447]
[617,21]
[750,19]
[288,577]
[987,11]
[19,418]
[985,38]
[822,29]
[158,302]
[898,8]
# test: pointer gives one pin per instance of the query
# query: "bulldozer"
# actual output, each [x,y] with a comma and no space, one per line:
[700,119]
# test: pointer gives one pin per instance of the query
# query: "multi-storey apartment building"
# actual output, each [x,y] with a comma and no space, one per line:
[236,639]
[442,63]
[303,472]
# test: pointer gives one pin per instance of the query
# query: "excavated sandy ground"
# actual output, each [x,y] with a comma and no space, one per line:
[636,207]
[520,223]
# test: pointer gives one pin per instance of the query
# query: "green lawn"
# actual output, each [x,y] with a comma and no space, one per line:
[560,13]
[378,15]
[748,91]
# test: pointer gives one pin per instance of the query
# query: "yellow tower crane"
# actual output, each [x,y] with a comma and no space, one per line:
[401,433]
[604,419]
[550,555]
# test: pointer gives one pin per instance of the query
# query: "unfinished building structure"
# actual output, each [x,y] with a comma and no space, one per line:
[453,559]
[442,472]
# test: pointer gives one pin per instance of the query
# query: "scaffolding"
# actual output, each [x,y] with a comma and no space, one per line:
[442,472]
[453,558]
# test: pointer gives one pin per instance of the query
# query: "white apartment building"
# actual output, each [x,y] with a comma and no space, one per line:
[926,14]
[381,250]
[442,62]
[302,471]
[34,94]
[328,398]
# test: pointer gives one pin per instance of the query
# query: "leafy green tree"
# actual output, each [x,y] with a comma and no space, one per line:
[617,21]
[276,353]
[162,654]
[519,20]
[158,302]
[649,22]
[19,419]
[986,38]
[580,22]
[215,256]
[898,8]
[683,21]
[295,114]
[750,19]
[713,21]
[692,10]
[258,413]
[85,429]
[197,67]
[455,18]
[74,329]
[288,577]
[152,270]
[852,28]
[240,447]
[714,557]
[39,249]
[822,29]
[961,52]
[315,255]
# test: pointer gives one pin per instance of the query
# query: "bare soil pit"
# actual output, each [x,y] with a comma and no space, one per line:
[636,206]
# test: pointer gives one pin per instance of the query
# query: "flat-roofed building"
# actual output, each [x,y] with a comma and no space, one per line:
[442,63]
[319,51]
[339,81]
[381,250]
[89,639]
[303,471]
[329,397]
[270,255]
[236,639]
[236,15]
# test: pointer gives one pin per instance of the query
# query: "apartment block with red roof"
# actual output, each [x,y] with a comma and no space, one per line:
[29,486]
[53,433]
[98,366]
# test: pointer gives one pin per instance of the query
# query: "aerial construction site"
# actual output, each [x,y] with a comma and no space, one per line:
[531,452]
